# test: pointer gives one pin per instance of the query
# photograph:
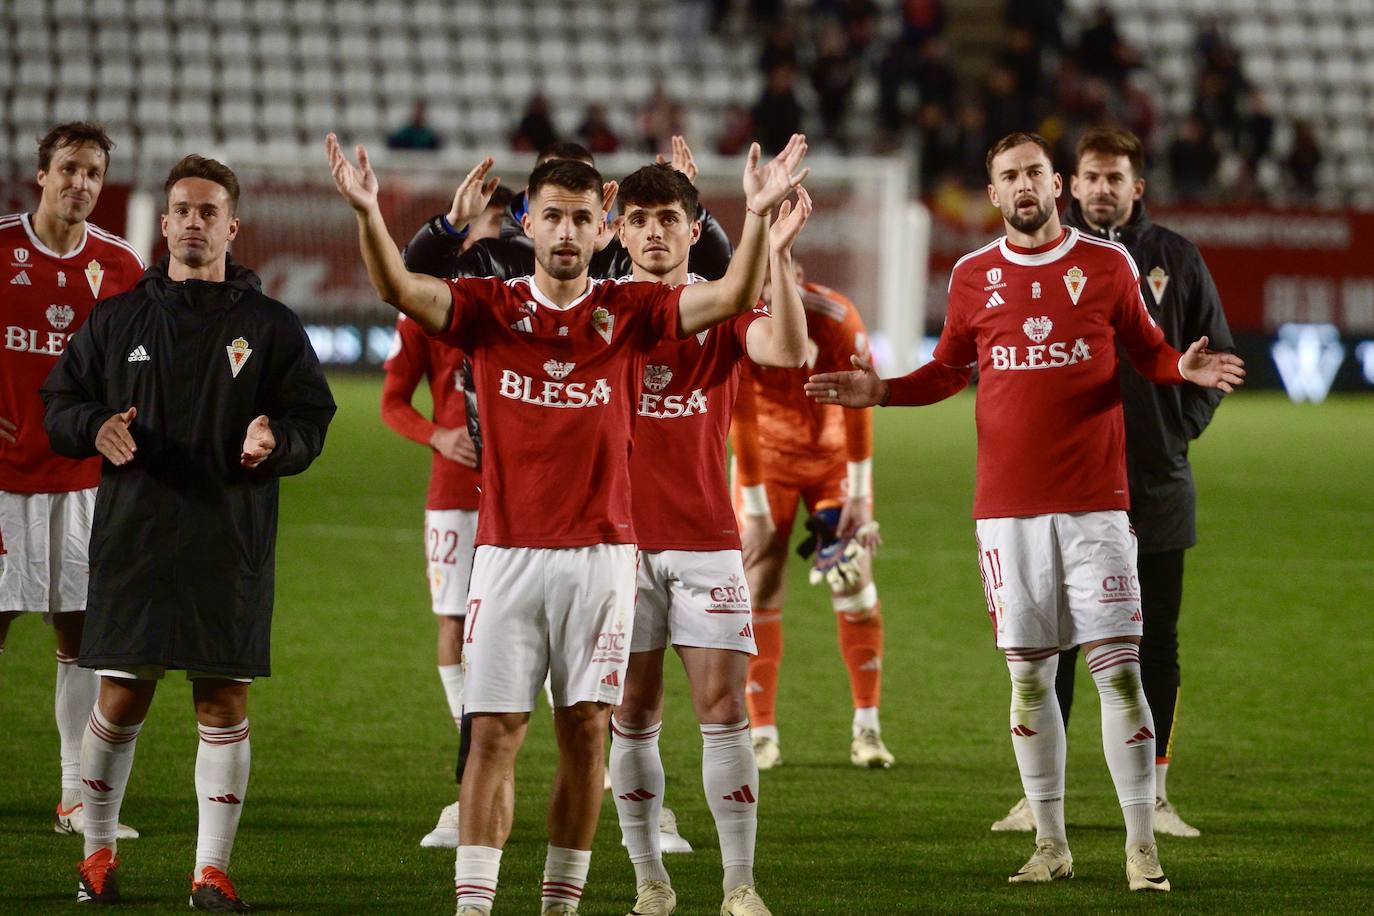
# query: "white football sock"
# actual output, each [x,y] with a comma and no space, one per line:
[222,762]
[452,678]
[107,756]
[475,870]
[766,731]
[565,875]
[1161,773]
[865,717]
[637,782]
[730,777]
[73,701]
[1128,739]
[1037,736]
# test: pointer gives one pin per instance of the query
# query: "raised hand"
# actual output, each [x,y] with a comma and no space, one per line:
[473,195]
[609,228]
[1212,368]
[357,184]
[113,439]
[789,223]
[258,443]
[765,187]
[860,387]
[682,160]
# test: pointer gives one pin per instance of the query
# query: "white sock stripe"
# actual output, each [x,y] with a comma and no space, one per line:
[562,889]
[1106,657]
[231,735]
[65,659]
[112,734]
[635,734]
[1031,655]
[722,731]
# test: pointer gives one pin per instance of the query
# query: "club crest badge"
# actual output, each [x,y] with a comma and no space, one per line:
[1037,329]
[656,378]
[62,278]
[1158,280]
[1035,290]
[95,275]
[238,355]
[557,370]
[60,316]
[1074,281]
[604,322]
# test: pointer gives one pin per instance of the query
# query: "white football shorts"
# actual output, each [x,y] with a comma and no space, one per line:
[692,598]
[1060,579]
[564,612]
[48,537]
[449,537]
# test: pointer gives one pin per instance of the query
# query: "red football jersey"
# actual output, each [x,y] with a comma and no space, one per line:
[47,298]
[1043,326]
[557,388]
[677,472]
[416,355]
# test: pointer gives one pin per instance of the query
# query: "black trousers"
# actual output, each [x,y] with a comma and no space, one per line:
[1161,596]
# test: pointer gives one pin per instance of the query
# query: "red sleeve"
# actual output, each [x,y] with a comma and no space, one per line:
[1142,338]
[740,326]
[405,367]
[462,323]
[932,382]
[957,345]
[850,338]
[744,432]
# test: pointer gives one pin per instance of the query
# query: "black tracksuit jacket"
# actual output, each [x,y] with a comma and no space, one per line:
[183,540]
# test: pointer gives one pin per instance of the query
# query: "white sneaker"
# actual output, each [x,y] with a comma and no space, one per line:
[1142,869]
[445,832]
[1020,819]
[744,901]
[767,755]
[670,842]
[654,898]
[867,750]
[1169,823]
[1050,862]
[73,821]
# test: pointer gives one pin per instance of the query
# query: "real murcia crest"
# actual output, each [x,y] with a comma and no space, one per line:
[656,378]
[1075,280]
[701,336]
[95,274]
[59,316]
[557,370]
[604,322]
[1158,280]
[1037,329]
[239,352]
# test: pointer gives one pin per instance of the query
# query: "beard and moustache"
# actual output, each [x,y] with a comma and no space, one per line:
[563,271]
[1030,222]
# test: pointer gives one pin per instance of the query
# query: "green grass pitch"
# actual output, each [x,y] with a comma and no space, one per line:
[352,746]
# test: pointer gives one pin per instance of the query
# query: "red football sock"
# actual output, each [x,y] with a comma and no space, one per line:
[762,692]
[861,644]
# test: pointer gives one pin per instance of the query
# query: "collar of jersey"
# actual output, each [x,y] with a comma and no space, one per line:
[37,243]
[548,303]
[1048,256]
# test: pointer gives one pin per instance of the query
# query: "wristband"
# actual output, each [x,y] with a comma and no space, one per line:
[448,227]
[859,477]
[756,500]
[763,215]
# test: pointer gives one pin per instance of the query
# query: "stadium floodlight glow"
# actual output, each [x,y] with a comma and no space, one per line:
[1308,356]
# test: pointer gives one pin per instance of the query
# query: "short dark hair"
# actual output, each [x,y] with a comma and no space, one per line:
[194,166]
[1112,142]
[73,133]
[1013,140]
[658,184]
[566,150]
[501,197]
[568,174]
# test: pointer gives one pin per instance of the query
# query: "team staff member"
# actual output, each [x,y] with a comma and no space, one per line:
[1108,190]
[59,265]
[200,392]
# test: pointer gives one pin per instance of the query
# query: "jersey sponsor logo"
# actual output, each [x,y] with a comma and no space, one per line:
[30,340]
[238,351]
[672,406]
[519,387]
[60,316]
[1035,290]
[139,355]
[1037,329]
[994,279]
[21,255]
[994,300]
[1158,281]
[21,279]
[95,275]
[1054,355]
[604,322]
[558,370]
[656,378]
[1074,281]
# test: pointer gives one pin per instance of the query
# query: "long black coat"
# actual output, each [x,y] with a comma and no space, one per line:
[1162,420]
[183,540]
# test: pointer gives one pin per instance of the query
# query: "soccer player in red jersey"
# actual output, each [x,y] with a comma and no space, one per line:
[59,264]
[557,360]
[451,504]
[1040,312]
[691,584]
[789,449]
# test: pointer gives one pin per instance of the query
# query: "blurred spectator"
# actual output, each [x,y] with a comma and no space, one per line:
[922,20]
[737,131]
[833,76]
[937,138]
[1003,106]
[415,133]
[660,117]
[777,114]
[1101,52]
[928,67]
[1022,57]
[974,140]
[1304,158]
[1255,136]
[1193,160]
[859,19]
[535,130]
[595,131]
[779,47]
[1041,18]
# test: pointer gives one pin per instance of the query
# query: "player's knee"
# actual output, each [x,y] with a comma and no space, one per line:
[858,603]
[720,704]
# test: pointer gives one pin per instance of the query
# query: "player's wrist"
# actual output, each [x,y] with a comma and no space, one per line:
[884,393]
[755,501]
[447,222]
[858,477]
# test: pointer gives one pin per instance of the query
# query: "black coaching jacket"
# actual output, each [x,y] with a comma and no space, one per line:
[1161,420]
[183,540]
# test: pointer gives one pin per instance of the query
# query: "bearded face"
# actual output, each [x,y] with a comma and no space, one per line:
[1024,187]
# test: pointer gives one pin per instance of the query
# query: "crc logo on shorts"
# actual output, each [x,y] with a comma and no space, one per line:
[1120,589]
[730,598]
[611,645]
[60,316]
[656,378]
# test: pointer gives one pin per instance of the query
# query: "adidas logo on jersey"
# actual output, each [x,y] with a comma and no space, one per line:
[139,355]
[994,300]
[21,279]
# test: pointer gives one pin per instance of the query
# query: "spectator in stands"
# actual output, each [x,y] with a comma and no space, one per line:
[595,131]
[737,132]
[922,20]
[661,118]
[1101,52]
[415,133]
[859,19]
[833,75]
[1041,18]
[973,146]
[938,139]
[928,66]
[1021,57]
[1255,135]
[777,114]
[535,130]
[1193,160]
[1004,109]
[1304,158]
[779,47]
